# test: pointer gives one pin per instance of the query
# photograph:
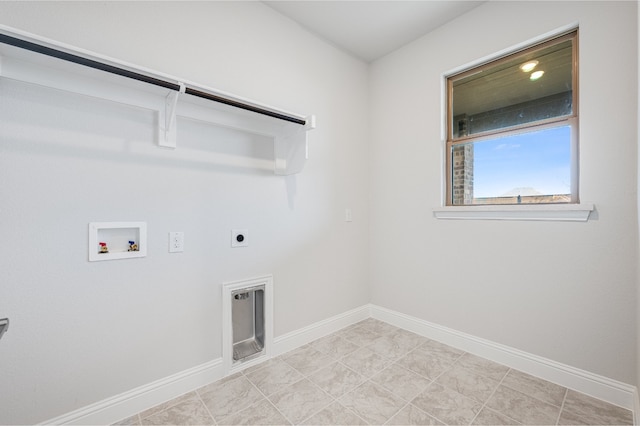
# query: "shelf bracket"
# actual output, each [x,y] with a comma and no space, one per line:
[291,149]
[4,326]
[167,119]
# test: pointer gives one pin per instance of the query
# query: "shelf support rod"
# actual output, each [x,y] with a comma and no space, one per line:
[130,71]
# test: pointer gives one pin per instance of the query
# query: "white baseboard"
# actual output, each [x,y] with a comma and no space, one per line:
[612,391]
[129,403]
[636,407]
[301,337]
[126,404]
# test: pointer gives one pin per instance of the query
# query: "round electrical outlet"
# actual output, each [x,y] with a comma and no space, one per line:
[239,238]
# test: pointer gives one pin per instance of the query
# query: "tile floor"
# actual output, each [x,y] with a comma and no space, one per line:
[374,373]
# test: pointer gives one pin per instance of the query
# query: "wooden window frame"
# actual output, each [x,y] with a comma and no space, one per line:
[565,120]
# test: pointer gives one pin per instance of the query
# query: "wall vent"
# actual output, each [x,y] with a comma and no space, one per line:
[247,322]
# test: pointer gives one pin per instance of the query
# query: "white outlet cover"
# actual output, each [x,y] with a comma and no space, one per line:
[348,215]
[176,242]
[239,238]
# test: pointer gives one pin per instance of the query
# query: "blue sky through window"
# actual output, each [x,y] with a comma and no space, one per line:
[533,162]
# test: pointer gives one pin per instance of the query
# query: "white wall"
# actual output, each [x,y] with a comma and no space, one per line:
[565,291]
[638,201]
[81,331]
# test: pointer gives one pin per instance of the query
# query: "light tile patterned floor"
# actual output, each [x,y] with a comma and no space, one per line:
[374,373]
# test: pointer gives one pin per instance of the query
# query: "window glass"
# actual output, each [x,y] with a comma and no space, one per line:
[512,128]
[526,168]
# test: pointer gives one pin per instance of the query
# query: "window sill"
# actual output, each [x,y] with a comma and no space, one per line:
[548,212]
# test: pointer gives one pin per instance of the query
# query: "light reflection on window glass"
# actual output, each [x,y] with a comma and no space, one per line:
[509,94]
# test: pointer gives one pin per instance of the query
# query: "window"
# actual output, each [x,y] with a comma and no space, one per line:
[512,128]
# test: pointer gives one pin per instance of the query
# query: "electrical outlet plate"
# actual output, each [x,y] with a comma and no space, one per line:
[239,238]
[176,242]
[348,215]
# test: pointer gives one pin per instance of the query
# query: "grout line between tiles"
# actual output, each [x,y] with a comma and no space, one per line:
[164,409]
[326,393]
[264,396]
[365,342]
[564,398]
[281,413]
[420,409]
[394,361]
[316,412]
[306,377]
[532,396]
[484,404]
[271,402]
[397,412]
[215,422]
